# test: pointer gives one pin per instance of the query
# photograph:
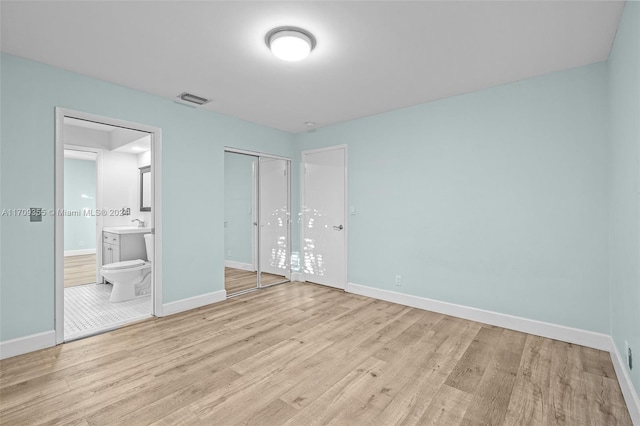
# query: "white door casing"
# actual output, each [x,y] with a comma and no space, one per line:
[324,227]
[156,202]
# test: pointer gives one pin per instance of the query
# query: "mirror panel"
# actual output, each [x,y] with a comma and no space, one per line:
[274,221]
[240,197]
[145,189]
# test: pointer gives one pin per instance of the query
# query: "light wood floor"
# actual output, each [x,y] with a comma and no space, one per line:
[79,270]
[236,280]
[302,354]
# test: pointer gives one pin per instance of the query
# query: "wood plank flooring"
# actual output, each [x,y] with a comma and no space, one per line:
[303,354]
[79,270]
[236,280]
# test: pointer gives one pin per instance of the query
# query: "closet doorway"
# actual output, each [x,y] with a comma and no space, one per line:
[257,222]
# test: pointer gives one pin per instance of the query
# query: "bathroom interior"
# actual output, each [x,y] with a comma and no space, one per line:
[108,223]
[257,222]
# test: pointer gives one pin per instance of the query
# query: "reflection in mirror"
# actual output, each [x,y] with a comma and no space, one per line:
[274,221]
[239,218]
[145,189]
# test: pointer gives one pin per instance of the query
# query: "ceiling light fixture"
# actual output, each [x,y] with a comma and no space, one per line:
[310,123]
[290,43]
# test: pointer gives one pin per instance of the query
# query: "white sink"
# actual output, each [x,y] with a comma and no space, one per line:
[126,229]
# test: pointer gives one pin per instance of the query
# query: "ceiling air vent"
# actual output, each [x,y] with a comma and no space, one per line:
[190,99]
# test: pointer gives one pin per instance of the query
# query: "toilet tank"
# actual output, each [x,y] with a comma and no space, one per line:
[148,242]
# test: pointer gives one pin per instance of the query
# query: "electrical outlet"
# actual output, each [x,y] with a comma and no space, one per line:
[398,280]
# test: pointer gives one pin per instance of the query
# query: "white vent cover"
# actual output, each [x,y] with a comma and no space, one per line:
[190,99]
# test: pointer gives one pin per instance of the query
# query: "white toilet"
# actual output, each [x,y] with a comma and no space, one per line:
[130,278]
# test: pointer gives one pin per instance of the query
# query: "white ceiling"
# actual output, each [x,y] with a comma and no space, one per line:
[371,57]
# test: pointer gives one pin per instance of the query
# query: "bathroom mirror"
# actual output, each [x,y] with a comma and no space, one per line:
[145,189]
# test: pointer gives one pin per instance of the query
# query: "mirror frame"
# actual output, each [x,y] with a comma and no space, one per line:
[144,170]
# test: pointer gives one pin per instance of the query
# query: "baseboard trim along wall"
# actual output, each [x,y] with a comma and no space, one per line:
[31,343]
[192,303]
[297,276]
[238,265]
[81,252]
[628,391]
[577,336]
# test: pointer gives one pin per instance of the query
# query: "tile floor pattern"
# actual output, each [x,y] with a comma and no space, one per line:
[87,310]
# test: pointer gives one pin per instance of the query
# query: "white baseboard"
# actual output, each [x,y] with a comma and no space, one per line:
[23,345]
[193,302]
[238,265]
[79,252]
[577,336]
[539,328]
[629,392]
[297,276]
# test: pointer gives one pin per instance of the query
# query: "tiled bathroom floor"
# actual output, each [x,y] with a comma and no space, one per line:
[87,310]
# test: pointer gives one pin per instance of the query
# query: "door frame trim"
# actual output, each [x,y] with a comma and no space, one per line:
[156,202]
[345,147]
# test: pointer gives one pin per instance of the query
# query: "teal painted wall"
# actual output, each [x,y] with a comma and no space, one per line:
[79,194]
[193,183]
[624,89]
[238,207]
[496,199]
[501,199]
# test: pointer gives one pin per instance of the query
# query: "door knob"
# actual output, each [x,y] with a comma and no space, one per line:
[338,228]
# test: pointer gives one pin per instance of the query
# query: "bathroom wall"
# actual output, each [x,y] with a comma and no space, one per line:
[79,196]
[118,169]
[624,89]
[238,208]
[120,180]
[496,199]
[193,142]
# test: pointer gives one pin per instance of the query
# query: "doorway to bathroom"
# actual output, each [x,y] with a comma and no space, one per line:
[107,232]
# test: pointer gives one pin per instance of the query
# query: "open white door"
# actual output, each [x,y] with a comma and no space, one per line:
[324,231]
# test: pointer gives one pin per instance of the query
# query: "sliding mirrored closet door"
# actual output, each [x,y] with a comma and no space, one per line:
[257,221]
[240,215]
[274,250]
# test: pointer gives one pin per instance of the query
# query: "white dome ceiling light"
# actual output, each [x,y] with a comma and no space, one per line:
[290,43]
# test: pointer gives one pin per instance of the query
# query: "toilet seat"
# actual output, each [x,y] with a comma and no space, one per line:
[125,264]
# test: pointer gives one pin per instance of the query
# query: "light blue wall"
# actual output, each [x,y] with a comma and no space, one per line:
[496,199]
[193,183]
[238,207]
[624,86]
[79,194]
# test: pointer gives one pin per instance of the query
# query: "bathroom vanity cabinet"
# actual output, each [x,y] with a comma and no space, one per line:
[118,247]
